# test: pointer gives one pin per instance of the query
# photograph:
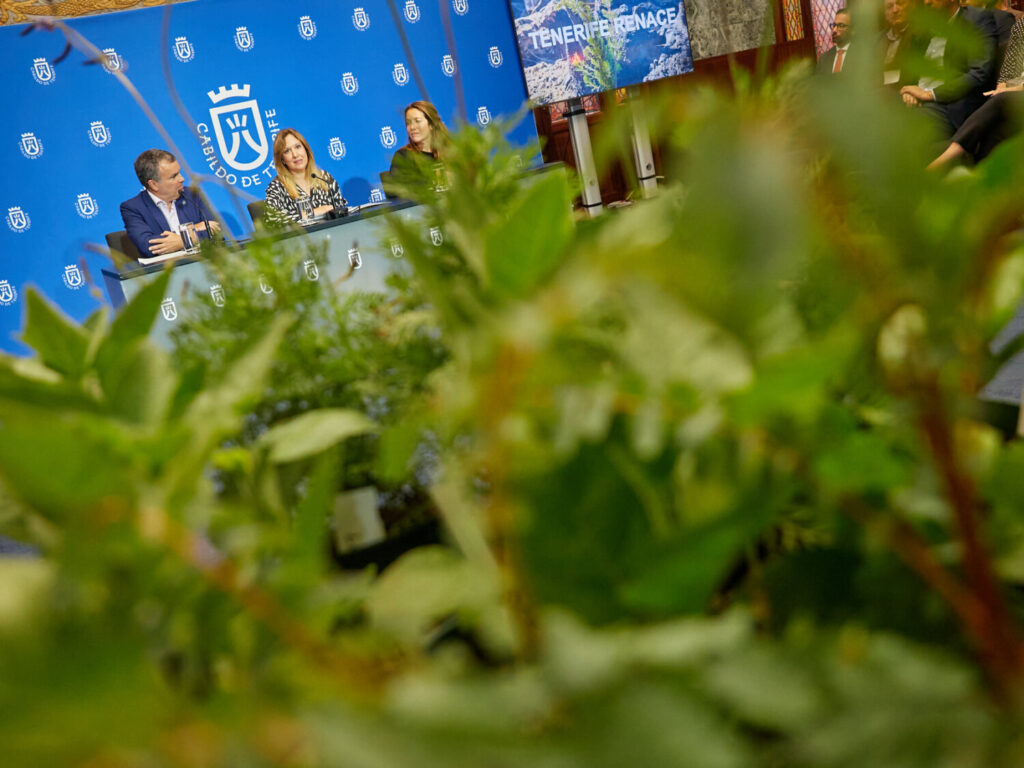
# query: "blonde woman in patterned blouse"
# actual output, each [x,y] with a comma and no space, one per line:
[298,178]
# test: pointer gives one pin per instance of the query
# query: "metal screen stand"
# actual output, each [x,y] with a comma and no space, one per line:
[579,135]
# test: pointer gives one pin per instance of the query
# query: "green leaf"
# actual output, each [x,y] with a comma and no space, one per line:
[311,433]
[526,245]
[62,345]
[133,321]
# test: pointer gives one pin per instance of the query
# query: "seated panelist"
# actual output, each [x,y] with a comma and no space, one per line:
[300,190]
[154,217]
[427,137]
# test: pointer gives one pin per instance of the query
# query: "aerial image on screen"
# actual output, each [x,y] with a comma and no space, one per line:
[572,48]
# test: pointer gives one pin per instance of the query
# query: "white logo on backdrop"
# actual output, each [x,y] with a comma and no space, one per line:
[349,84]
[311,270]
[377,195]
[387,137]
[336,148]
[360,20]
[397,250]
[243,40]
[436,236]
[7,293]
[42,72]
[243,123]
[30,146]
[494,56]
[354,259]
[483,116]
[400,74]
[169,309]
[265,286]
[183,50]
[217,294]
[307,28]
[113,62]
[86,206]
[412,11]
[73,277]
[17,219]
[99,135]
[461,7]
[448,65]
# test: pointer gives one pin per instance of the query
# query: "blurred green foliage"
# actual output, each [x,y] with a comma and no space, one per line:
[716,484]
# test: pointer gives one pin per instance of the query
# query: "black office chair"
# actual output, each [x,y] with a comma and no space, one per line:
[119,243]
[256,211]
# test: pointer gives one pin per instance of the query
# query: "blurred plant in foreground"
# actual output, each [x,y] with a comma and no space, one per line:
[718,488]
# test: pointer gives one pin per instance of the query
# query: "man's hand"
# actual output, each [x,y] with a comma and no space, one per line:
[214,226]
[917,95]
[168,242]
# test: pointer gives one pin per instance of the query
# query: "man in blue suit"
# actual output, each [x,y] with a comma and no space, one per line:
[154,217]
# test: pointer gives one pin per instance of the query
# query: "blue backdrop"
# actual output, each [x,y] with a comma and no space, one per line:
[336,71]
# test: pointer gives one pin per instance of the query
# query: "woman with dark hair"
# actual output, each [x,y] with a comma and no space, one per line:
[427,136]
[300,191]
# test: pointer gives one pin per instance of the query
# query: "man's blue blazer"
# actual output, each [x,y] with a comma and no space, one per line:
[144,221]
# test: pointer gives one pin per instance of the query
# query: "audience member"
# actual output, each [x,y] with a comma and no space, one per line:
[834,59]
[960,72]
[993,122]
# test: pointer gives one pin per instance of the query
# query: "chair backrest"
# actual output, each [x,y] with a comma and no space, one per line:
[256,210]
[120,242]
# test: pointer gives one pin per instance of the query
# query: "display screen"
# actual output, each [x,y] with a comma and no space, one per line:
[571,48]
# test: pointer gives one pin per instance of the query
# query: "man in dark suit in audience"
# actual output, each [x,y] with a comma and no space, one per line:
[898,43]
[833,61]
[154,217]
[962,65]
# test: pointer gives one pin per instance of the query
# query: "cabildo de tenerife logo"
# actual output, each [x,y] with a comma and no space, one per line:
[7,293]
[169,309]
[360,19]
[183,50]
[494,56]
[412,11]
[387,137]
[73,277]
[461,7]
[18,220]
[112,62]
[448,65]
[307,28]
[42,72]
[239,136]
[217,294]
[349,84]
[400,74]
[86,206]
[99,134]
[377,195]
[483,115]
[30,146]
[243,40]
[336,148]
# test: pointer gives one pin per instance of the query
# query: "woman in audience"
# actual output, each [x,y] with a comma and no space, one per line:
[995,120]
[299,184]
[427,137]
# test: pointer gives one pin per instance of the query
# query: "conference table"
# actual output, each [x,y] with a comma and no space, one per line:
[357,246]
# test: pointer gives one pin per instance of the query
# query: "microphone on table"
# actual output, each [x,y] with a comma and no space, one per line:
[335,212]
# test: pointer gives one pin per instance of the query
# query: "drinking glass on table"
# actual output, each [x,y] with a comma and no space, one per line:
[189,237]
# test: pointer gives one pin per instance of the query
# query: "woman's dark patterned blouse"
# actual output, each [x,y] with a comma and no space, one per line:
[281,209]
